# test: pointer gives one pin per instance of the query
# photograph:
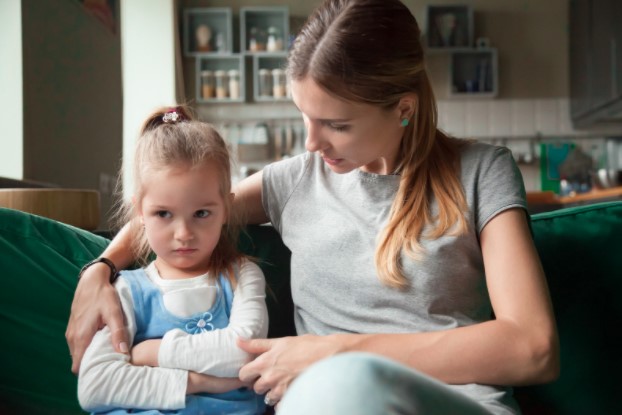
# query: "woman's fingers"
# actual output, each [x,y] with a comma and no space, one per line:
[95,304]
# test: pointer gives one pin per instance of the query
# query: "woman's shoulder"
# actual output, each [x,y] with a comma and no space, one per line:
[478,156]
[476,150]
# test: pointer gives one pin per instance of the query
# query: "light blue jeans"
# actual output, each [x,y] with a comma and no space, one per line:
[367,384]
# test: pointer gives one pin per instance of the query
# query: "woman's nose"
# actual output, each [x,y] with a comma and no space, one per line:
[313,141]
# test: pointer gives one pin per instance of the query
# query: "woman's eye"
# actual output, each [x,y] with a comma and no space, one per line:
[338,127]
[163,214]
[202,213]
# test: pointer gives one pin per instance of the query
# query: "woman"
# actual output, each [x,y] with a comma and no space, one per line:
[405,242]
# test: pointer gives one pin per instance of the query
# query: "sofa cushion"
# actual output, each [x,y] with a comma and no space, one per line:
[39,261]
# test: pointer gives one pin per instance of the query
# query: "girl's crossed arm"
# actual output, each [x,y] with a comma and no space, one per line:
[215,352]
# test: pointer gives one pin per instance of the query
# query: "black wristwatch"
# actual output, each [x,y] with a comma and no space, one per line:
[114,274]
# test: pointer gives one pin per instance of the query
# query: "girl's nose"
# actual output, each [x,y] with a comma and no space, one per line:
[183,231]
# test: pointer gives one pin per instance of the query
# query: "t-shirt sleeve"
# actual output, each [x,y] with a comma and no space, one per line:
[279,182]
[499,186]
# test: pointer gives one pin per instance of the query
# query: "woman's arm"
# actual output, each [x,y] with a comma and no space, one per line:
[216,352]
[247,201]
[519,347]
[96,304]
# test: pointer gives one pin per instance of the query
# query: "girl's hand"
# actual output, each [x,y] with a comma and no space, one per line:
[280,361]
[95,305]
[146,353]
[199,383]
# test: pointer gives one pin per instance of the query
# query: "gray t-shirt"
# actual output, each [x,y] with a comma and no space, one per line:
[330,222]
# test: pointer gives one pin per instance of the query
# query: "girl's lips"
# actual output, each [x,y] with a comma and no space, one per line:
[184,250]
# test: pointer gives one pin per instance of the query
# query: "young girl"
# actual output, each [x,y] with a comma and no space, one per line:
[198,286]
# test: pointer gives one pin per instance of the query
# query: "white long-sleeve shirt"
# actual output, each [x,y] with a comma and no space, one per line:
[108,380]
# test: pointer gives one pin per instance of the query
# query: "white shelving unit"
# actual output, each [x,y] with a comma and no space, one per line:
[263,42]
[210,24]
[474,73]
[224,63]
[264,29]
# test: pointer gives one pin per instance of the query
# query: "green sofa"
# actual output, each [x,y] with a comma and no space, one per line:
[581,250]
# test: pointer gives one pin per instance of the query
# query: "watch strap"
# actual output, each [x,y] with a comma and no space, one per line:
[114,274]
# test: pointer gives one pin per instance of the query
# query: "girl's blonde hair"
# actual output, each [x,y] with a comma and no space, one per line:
[369,51]
[171,137]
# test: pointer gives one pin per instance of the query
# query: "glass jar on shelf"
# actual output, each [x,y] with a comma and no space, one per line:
[257,40]
[234,83]
[279,83]
[207,84]
[265,83]
[222,84]
[275,41]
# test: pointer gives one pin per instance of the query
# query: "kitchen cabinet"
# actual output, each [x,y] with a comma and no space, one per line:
[595,62]
[579,62]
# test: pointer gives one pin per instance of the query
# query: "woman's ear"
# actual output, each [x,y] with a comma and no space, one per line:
[407,106]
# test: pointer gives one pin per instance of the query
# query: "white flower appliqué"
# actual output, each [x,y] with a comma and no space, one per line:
[200,324]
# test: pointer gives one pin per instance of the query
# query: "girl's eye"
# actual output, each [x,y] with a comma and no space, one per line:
[202,213]
[163,214]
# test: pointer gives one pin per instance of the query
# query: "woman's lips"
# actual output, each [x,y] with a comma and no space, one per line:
[330,161]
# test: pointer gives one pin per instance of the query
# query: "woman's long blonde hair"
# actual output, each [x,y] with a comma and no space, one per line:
[369,51]
[188,143]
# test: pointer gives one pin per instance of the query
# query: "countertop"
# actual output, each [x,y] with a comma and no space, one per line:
[548,200]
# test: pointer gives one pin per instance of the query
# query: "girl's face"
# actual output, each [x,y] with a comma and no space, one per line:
[183,213]
[350,135]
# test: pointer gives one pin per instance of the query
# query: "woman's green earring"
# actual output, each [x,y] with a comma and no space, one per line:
[405,122]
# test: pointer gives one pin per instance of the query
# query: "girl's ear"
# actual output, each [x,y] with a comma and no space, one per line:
[137,210]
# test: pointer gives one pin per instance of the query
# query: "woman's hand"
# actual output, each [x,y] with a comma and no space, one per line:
[95,304]
[280,361]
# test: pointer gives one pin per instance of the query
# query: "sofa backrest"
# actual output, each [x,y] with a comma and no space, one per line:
[581,252]
[580,248]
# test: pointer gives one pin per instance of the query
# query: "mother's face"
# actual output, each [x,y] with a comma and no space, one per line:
[349,135]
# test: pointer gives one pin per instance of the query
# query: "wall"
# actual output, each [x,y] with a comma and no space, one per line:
[531,36]
[12,136]
[72,97]
[148,67]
